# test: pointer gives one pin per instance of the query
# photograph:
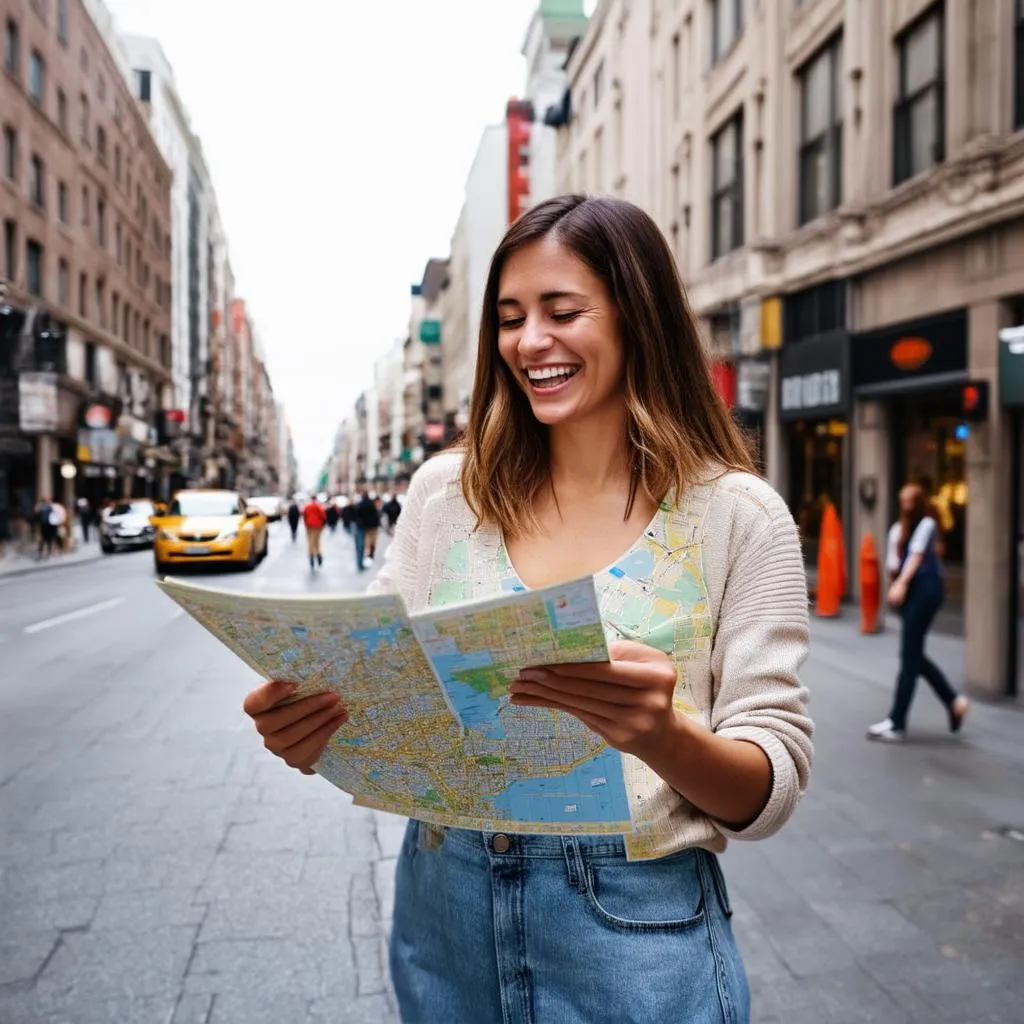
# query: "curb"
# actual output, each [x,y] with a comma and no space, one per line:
[31,570]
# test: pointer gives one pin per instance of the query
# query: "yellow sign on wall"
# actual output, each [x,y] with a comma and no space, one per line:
[771,323]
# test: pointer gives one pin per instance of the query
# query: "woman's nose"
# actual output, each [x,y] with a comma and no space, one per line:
[534,337]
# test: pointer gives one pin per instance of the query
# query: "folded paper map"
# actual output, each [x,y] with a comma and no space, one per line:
[431,733]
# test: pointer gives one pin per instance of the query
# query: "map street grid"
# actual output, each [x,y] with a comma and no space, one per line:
[431,734]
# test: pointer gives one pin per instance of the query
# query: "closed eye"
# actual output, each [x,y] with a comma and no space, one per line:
[564,318]
[511,322]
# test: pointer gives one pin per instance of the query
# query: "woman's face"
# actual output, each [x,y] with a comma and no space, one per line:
[558,334]
[908,499]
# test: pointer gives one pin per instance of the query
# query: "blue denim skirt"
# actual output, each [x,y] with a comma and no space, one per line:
[525,929]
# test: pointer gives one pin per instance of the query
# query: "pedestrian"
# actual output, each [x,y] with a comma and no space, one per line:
[347,511]
[392,509]
[46,526]
[917,590]
[597,444]
[366,523]
[314,517]
[85,516]
[332,516]
[294,515]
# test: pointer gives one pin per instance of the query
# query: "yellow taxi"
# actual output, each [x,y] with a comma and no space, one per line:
[209,526]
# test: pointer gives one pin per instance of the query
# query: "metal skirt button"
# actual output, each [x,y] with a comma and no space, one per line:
[501,843]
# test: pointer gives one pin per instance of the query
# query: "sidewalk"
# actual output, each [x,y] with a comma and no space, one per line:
[23,562]
[896,894]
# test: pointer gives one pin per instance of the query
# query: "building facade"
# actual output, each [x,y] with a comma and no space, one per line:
[842,182]
[85,353]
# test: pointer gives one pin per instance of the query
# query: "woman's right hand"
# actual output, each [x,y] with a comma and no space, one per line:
[296,732]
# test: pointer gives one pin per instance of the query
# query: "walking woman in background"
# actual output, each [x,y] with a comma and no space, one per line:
[597,445]
[917,590]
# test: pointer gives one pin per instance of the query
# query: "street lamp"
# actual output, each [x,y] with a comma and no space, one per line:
[68,470]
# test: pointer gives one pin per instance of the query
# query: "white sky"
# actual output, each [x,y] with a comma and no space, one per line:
[339,134]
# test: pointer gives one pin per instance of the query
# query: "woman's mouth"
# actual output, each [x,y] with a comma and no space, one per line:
[550,378]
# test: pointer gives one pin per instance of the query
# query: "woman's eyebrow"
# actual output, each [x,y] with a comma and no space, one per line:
[545,297]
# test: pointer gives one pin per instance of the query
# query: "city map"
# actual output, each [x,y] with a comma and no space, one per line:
[431,733]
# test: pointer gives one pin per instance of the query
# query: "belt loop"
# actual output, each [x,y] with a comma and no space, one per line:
[570,861]
[574,862]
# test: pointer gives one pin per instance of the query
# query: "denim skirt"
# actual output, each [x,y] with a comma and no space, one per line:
[526,929]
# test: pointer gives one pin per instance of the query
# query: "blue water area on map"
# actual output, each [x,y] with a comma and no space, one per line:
[378,636]
[300,632]
[637,564]
[512,585]
[375,776]
[595,791]
[474,708]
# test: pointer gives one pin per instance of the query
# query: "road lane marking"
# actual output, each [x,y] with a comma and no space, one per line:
[81,613]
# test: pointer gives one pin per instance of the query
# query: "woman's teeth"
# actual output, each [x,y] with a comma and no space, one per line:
[551,376]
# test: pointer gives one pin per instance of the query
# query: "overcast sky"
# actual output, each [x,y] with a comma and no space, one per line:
[339,134]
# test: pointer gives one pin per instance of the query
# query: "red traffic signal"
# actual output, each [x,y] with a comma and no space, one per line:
[974,401]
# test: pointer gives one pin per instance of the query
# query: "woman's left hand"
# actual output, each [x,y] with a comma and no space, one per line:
[897,593]
[627,701]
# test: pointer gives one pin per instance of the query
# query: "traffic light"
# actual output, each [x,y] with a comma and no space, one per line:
[974,401]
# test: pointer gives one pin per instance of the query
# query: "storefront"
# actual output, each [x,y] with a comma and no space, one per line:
[814,404]
[918,371]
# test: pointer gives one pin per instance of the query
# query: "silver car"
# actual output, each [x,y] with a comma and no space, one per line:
[127,526]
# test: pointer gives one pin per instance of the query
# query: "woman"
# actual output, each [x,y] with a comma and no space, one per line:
[597,445]
[917,590]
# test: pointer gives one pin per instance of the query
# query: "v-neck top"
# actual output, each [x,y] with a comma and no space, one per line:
[716,581]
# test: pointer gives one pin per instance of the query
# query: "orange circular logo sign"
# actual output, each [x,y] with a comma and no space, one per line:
[910,353]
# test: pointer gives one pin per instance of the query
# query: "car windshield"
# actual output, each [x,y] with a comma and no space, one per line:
[133,508]
[205,505]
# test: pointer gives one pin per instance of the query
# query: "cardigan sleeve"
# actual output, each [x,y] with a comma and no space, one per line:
[761,641]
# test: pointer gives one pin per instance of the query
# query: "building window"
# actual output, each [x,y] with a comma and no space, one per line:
[36,76]
[727,188]
[101,88]
[101,144]
[117,164]
[10,153]
[34,268]
[101,313]
[36,175]
[64,283]
[726,26]
[598,84]
[143,85]
[83,295]
[101,222]
[10,250]
[84,100]
[821,133]
[1018,105]
[62,112]
[818,310]
[115,309]
[63,203]
[12,49]
[85,205]
[919,117]
[90,363]
[62,20]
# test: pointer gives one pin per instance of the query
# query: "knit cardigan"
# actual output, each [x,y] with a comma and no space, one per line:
[742,683]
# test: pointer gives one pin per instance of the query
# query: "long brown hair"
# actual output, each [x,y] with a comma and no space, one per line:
[676,423]
[909,521]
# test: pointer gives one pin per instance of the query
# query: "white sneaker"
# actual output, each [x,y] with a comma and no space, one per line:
[884,732]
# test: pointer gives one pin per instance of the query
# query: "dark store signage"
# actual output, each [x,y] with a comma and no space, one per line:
[1011,366]
[910,351]
[814,379]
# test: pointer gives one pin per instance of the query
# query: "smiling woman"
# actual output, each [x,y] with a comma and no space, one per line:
[597,445]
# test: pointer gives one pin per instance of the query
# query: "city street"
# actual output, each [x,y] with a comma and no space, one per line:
[157,865]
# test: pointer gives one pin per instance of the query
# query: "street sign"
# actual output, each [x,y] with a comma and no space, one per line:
[38,410]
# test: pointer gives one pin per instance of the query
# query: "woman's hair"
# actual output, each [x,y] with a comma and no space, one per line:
[909,521]
[676,425]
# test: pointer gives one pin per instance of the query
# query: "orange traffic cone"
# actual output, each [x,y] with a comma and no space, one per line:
[870,585]
[831,570]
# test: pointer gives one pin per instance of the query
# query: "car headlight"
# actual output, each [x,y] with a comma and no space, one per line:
[166,535]
[228,535]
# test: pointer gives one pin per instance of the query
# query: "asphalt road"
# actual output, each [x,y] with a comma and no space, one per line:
[157,865]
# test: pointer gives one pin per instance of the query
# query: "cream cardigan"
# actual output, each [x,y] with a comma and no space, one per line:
[746,630]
